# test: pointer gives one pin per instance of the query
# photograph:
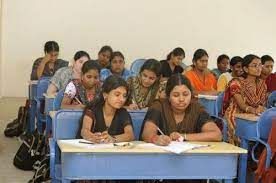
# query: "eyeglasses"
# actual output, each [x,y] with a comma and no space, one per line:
[256,66]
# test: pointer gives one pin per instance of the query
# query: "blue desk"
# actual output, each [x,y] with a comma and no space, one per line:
[219,161]
[32,110]
[246,128]
[209,102]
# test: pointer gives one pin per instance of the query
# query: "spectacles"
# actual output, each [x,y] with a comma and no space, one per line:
[256,66]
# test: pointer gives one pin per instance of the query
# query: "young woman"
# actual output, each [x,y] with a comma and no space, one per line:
[235,71]
[79,92]
[144,88]
[64,75]
[104,56]
[178,116]
[222,64]
[247,94]
[202,80]
[105,119]
[266,74]
[172,64]
[117,67]
[49,64]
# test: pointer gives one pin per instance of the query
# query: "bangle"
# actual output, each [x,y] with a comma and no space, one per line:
[114,139]
[154,138]
[246,109]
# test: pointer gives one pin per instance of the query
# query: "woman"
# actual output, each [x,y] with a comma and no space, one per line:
[104,56]
[64,75]
[172,64]
[105,119]
[267,75]
[144,87]
[202,80]
[79,92]
[117,67]
[235,71]
[222,65]
[47,66]
[247,94]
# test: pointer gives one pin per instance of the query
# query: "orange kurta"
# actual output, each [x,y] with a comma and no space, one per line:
[209,83]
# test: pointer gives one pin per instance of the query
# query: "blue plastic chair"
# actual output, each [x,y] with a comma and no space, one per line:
[42,86]
[271,102]
[58,100]
[222,124]
[136,65]
[219,104]
[137,117]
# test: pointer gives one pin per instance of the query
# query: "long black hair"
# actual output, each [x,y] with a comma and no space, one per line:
[176,52]
[152,65]
[80,54]
[51,46]
[246,61]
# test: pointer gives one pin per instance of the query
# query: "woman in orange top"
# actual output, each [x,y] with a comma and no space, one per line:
[202,80]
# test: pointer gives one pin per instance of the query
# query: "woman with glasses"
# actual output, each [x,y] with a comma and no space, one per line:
[246,94]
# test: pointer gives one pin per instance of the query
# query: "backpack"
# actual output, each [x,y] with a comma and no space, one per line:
[18,125]
[42,170]
[31,150]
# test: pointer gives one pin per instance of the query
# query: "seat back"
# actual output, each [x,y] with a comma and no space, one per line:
[222,125]
[264,123]
[58,100]
[219,103]
[136,65]
[42,86]
[271,102]
[137,117]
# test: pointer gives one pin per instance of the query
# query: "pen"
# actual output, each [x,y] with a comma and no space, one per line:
[160,131]
[78,100]
[83,142]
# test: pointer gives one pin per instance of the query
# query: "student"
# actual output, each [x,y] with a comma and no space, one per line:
[178,116]
[235,71]
[104,56]
[47,66]
[202,80]
[64,75]
[172,64]
[266,74]
[105,119]
[79,92]
[222,64]
[144,87]
[247,94]
[117,67]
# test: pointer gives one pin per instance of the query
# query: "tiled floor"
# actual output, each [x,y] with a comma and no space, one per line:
[8,146]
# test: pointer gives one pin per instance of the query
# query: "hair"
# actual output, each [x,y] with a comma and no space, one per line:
[51,46]
[266,58]
[105,49]
[175,80]
[176,52]
[236,59]
[90,65]
[221,57]
[111,83]
[117,54]
[152,65]
[246,61]
[199,53]
[80,54]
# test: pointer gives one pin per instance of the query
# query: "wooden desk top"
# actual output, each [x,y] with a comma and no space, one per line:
[214,148]
[247,116]
[52,114]
[49,96]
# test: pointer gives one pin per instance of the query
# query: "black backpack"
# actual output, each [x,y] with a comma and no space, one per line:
[18,125]
[31,150]
[42,170]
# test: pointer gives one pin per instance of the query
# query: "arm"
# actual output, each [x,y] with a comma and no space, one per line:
[85,131]
[127,136]
[66,103]
[42,64]
[221,84]
[246,108]
[52,89]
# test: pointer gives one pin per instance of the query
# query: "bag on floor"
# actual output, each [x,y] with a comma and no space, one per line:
[18,125]
[31,150]
[42,170]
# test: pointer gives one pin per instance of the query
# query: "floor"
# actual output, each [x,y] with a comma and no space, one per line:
[8,146]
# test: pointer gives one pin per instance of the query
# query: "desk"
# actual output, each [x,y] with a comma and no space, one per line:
[219,161]
[32,95]
[209,102]
[246,128]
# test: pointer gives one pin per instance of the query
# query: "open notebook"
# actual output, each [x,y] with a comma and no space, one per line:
[175,147]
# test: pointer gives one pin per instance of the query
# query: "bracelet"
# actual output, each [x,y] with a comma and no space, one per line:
[154,138]
[246,109]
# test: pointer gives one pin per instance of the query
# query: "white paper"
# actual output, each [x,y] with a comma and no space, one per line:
[174,147]
[209,97]
[76,142]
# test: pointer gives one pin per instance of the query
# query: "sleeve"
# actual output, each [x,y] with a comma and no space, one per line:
[64,64]
[153,115]
[70,90]
[56,79]
[222,82]
[125,118]
[34,69]
[104,74]
[235,88]
[201,120]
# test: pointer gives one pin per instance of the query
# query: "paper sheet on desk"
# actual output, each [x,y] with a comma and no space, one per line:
[76,142]
[209,97]
[175,147]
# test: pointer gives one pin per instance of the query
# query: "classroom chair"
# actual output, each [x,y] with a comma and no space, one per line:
[58,100]
[136,65]
[271,102]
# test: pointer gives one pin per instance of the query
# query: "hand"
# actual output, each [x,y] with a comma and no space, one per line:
[163,140]
[133,107]
[47,57]
[260,109]
[106,138]
[175,136]
[93,137]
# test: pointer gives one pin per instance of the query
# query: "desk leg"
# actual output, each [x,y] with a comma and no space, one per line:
[243,162]
[31,125]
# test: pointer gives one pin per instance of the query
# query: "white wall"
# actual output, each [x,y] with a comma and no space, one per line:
[141,28]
